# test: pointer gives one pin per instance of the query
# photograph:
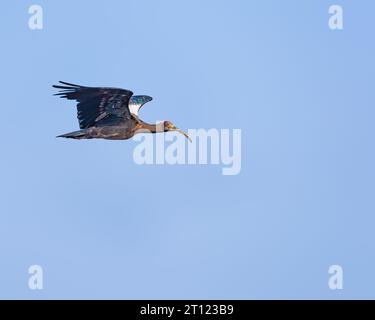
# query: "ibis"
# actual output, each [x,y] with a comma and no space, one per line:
[109,113]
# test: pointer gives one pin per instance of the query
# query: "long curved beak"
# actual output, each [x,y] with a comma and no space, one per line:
[184,133]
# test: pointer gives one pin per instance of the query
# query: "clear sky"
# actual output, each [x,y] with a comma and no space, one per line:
[102,226]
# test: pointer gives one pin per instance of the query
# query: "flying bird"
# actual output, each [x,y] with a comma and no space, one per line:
[109,113]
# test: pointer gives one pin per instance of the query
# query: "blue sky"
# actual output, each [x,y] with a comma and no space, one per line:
[103,227]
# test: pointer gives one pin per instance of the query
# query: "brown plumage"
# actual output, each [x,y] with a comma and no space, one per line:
[109,113]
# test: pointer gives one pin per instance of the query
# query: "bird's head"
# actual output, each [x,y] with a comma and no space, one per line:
[169,126]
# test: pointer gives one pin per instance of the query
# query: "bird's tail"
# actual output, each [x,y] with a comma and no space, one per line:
[81,134]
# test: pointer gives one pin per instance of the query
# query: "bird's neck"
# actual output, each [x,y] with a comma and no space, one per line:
[153,128]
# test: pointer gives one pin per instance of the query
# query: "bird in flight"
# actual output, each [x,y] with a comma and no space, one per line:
[109,113]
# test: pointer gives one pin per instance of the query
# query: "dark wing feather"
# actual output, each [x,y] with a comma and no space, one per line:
[97,104]
[136,103]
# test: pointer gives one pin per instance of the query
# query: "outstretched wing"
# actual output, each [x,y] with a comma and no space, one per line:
[96,104]
[136,103]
